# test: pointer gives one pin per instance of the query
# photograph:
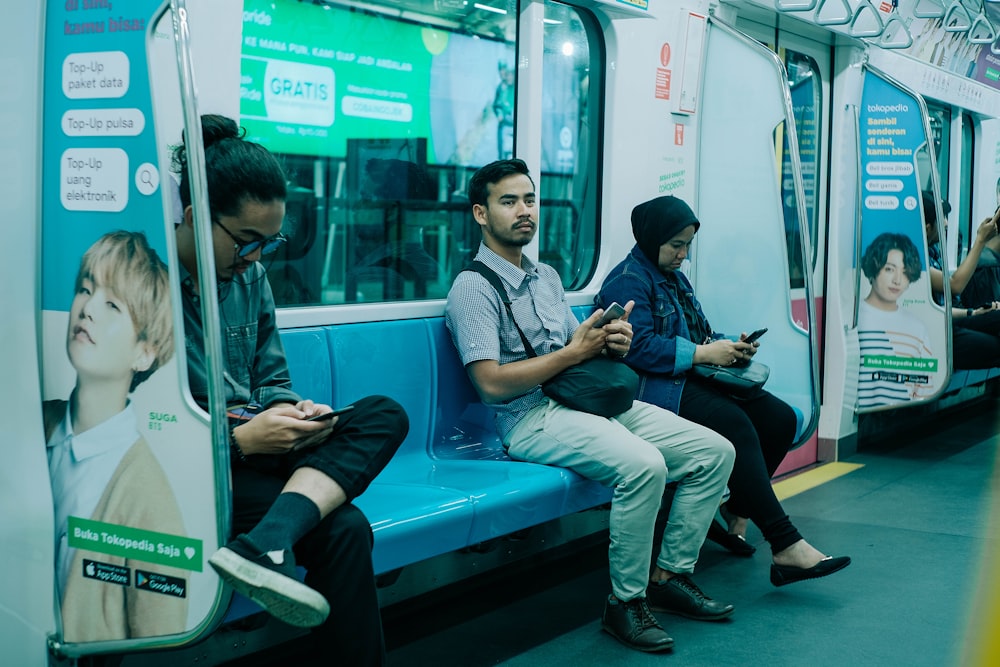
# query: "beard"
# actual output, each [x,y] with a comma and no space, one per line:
[512,236]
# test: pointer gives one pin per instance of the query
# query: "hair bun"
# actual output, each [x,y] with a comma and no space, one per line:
[215,128]
[235,169]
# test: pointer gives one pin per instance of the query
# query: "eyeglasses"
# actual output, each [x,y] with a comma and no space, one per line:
[266,246]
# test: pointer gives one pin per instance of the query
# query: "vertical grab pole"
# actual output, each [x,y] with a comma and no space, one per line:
[855,116]
[206,263]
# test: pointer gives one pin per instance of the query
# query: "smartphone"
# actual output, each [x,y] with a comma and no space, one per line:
[330,415]
[755,335]
[612,312]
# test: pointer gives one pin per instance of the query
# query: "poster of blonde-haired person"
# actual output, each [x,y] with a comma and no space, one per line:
[102,470]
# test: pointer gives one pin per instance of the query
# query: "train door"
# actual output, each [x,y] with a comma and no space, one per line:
[750,195]
[805,53]
[26,550]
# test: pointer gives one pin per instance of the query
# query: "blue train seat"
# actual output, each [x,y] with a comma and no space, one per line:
[451,485]
[958,380]
[978,376]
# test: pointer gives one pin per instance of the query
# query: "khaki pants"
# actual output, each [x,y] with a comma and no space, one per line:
[635,453]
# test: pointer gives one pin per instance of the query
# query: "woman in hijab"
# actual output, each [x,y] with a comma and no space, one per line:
[671,335]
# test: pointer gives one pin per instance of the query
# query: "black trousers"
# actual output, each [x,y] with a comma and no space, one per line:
[762,430]
[975,341]
[337,554]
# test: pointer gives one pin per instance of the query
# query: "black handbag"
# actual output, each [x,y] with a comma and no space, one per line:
[738,380]
[600,385]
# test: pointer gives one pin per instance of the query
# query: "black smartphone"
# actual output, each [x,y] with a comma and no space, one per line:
[755,335]
[612,312]
[330,415]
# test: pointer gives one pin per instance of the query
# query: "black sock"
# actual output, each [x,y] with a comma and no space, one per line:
[291,516]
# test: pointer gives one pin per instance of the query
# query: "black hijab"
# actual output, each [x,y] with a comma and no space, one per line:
[657,221]
[654,223]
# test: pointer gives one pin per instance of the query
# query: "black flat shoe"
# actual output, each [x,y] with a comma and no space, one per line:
[782,575]
[733,543]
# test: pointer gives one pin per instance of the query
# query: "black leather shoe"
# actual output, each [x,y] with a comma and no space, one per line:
[782,575]
[634,625]
[680,596]
[734,543]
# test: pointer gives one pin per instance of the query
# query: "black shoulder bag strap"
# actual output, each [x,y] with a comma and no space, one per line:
[492,277]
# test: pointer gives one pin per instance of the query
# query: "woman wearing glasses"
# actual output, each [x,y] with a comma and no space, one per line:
[293,476]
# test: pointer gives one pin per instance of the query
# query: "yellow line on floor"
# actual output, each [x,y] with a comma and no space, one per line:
[810,479]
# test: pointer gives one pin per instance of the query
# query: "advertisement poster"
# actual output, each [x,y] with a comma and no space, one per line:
[803,93]
[130,468]
[314,77]
[950,49]
[900,328]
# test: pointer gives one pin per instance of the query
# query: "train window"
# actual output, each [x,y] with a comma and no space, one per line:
[940,121]
[381,112]
[964,204]
[569,233]
[804,82]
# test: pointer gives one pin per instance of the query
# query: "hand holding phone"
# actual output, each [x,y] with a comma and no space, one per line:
[329,415]
[612,312]
[755,335]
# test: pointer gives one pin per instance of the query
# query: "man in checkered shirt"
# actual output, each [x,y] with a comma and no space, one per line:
[635,452]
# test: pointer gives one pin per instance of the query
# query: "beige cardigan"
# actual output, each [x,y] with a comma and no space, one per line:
[138,495]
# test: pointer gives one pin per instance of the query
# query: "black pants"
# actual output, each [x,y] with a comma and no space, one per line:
[337,553]
[762,430]
[975,341]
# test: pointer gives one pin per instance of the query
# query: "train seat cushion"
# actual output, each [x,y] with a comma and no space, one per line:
[451,484]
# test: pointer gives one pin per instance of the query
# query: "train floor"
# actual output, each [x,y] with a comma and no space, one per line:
[913,518]
[912,510]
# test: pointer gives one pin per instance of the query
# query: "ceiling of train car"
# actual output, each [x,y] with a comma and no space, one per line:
[479,17]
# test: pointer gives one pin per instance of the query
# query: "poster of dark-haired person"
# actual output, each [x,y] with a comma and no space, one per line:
[901,331]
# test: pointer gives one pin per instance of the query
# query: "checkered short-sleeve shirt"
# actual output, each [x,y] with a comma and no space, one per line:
[481,328]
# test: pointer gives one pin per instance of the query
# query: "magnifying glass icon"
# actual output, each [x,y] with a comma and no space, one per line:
[147,178]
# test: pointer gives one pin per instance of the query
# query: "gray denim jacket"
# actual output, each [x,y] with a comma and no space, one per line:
[253,357]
